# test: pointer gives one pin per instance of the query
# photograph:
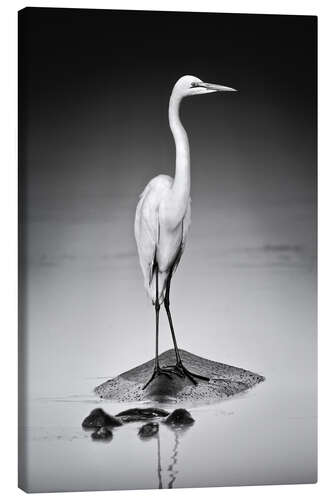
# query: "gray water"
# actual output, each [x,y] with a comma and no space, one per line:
[245,296]
[265,436]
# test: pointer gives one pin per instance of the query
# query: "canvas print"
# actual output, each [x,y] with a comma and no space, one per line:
[167,249]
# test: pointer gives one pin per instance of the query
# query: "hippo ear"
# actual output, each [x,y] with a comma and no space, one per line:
[180,417]
[99,418]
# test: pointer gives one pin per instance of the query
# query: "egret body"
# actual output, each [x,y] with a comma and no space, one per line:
[163,217]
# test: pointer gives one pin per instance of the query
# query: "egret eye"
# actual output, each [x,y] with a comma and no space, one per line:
[194,84]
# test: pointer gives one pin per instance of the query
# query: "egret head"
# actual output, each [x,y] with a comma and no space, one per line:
[191,85]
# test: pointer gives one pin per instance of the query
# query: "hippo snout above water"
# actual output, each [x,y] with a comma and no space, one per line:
[137,414]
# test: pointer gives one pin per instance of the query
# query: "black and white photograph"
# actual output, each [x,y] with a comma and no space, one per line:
[167,249]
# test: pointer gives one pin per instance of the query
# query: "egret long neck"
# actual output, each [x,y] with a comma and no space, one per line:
[182,182]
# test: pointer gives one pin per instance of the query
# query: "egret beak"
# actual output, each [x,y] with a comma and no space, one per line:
[213,87]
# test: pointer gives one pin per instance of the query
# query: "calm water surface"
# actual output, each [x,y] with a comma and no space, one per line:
[254,298]
[266,435]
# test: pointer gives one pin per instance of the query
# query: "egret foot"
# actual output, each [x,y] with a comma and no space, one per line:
[180,370]
[156,373]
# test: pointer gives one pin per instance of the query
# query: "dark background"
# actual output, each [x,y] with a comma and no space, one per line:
[106,76]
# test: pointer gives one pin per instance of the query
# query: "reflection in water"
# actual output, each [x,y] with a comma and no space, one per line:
[171,468]
[159,467]
[173,472]
[280,415]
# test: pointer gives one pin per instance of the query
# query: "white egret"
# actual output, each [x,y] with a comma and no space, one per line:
[163,217]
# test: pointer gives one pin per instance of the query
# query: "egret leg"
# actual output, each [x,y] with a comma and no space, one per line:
[179,368]
[157,369]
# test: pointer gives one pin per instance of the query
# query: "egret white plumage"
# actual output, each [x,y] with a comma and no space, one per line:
[163,217]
